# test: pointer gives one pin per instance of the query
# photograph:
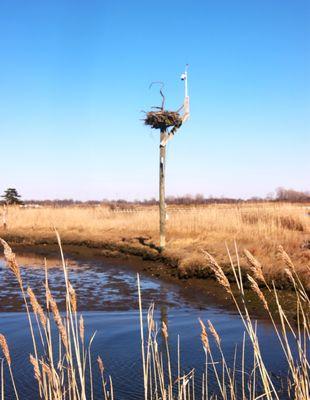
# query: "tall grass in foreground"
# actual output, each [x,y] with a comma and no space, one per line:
[64,368]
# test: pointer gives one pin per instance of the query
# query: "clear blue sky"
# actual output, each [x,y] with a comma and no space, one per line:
[74,77]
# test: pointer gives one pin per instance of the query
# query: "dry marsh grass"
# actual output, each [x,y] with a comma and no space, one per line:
[64,368]
[258,227]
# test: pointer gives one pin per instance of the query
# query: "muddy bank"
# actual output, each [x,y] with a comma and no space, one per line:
[154,265]
[193,288]
[139,246]
[166,263]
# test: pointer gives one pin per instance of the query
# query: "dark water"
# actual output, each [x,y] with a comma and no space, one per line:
[108,297]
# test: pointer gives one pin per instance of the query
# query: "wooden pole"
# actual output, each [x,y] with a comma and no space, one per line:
[162,204]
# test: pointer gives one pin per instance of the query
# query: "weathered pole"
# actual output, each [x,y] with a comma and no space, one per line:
[162,203]
[164,119]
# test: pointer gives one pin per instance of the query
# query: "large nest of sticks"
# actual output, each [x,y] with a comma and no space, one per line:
[163,119]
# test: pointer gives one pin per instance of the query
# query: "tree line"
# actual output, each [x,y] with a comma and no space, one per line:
[11,196]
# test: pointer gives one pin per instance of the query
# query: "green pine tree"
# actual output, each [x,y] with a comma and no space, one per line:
[11,196]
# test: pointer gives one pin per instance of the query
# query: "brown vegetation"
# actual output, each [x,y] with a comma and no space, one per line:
[64,368]
[163,119]
[258,227]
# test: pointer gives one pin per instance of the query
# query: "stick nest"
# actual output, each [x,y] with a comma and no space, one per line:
[163,119]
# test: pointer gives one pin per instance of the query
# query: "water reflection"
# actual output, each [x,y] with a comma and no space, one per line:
[118,343]
[99,286]
[107,295]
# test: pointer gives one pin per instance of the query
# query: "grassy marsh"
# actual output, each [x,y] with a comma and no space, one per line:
[259,227]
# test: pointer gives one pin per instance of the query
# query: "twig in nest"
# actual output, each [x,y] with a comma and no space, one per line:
[161,93]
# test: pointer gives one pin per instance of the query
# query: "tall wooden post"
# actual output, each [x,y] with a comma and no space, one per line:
[164,119]
[162,204]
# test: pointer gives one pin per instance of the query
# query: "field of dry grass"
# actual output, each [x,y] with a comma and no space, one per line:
[259,228]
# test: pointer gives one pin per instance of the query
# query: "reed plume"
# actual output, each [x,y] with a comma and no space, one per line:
[214,333]
[100,365]
[36,368]
[81,328]
[57,318]
[286,258]
[256,289]
[46,369]
[204,336]
[218,272]
[5,349]
[37,309]
[73,300]
[11,260]
[164,330]
[255,266]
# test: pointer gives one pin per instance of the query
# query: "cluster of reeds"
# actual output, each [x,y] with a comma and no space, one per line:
[256,382]
[61,359]
[63,368]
